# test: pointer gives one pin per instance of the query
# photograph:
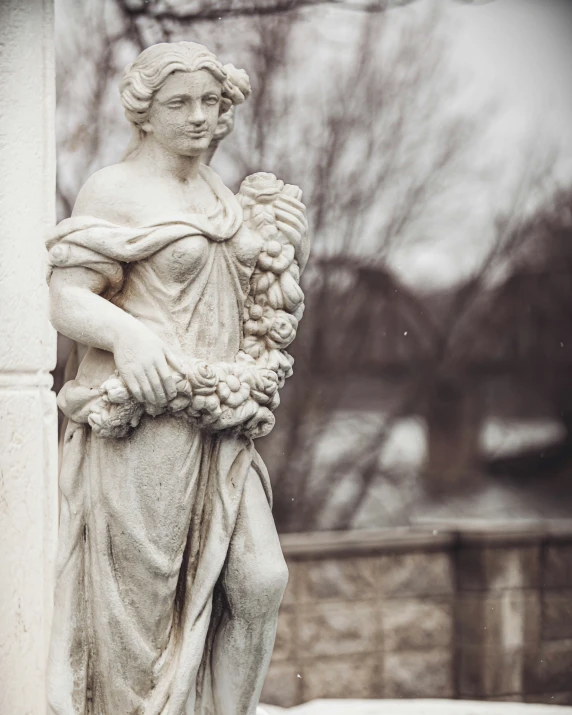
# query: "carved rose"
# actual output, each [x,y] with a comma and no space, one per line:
[232,391]
[264,384]
[202,377]
[114,390]
[253,346]
[258,319]
[180,402]
[276,257]
[209,404]
[237,86]
[283,330]
[115,420]
[261,187]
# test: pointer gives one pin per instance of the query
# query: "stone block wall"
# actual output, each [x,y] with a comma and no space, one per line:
[482,613]
[28,416]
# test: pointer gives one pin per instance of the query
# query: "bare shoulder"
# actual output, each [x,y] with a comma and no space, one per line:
[106,194]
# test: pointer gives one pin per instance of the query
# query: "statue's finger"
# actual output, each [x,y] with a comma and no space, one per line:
[145,386]
[133,387]
[289,218]
[174,360]
[292,191]
[291,234]
[290,201]
[157,385]
[167,379]
[296,209]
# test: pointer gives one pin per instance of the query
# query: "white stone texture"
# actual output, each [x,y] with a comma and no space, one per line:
[191,298]
[28,421]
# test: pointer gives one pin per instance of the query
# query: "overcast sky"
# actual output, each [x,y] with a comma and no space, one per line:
[518,51]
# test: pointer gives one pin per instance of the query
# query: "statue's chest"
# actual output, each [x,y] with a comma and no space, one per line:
[183,260]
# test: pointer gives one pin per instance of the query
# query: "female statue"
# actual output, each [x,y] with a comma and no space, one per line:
[170,573]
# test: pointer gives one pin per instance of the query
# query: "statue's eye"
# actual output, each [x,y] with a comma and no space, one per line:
[211,99]
[175,105]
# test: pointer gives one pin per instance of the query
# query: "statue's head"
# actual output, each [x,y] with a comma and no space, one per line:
[179,92]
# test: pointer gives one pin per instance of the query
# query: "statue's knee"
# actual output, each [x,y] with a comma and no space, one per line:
[261,590]
[276,582]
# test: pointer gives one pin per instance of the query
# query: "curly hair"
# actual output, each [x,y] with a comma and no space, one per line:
[144,78]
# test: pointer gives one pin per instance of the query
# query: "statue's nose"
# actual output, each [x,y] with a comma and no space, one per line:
[196,115]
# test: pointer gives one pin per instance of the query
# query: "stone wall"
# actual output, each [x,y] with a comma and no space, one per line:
[28,418]
[475,613]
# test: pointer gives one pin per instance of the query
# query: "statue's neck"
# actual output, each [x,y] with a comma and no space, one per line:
[160,161]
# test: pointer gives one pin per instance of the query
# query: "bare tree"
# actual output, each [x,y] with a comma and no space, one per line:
[374,146]
[373,139]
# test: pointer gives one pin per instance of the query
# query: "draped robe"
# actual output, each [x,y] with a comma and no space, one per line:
[146,521]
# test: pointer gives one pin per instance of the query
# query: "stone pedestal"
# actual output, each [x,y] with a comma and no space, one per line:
[28,422]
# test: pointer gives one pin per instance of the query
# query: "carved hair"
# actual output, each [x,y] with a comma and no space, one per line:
[144,78]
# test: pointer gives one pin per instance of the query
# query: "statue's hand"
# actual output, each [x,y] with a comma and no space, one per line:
[146,365]
[291,219]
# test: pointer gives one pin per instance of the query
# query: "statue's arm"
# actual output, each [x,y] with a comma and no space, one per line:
[79,311]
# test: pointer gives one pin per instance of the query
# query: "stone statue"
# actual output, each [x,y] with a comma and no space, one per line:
[170,572]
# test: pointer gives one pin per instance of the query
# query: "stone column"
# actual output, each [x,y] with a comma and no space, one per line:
[28,424]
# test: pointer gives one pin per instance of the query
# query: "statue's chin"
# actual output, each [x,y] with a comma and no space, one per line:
[196,147]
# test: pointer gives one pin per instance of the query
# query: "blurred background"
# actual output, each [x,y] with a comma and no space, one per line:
[433,144]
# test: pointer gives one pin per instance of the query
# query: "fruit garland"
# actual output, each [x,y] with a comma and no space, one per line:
[241,395]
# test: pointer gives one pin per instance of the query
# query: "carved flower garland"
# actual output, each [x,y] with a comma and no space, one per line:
[243,394]
[275,303]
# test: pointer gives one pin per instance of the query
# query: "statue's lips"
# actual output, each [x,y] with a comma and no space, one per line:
[197,135]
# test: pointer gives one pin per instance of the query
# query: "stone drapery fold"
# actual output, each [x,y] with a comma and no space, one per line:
[146,522]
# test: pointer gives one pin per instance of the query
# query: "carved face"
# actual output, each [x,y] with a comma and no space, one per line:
[185,111]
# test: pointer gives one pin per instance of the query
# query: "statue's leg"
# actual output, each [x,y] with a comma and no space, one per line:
[254,580]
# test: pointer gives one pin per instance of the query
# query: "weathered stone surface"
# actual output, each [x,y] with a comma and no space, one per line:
[345,578]
[415,574]
[549,670]
[412,674]
[557,571]
[28,518]
[343,677]
[504,620]
[283,685]
[28,418]
[194,347]
[328,629]
[557,615]
[495,569]
[497,630]
[490,671]
[416,624]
